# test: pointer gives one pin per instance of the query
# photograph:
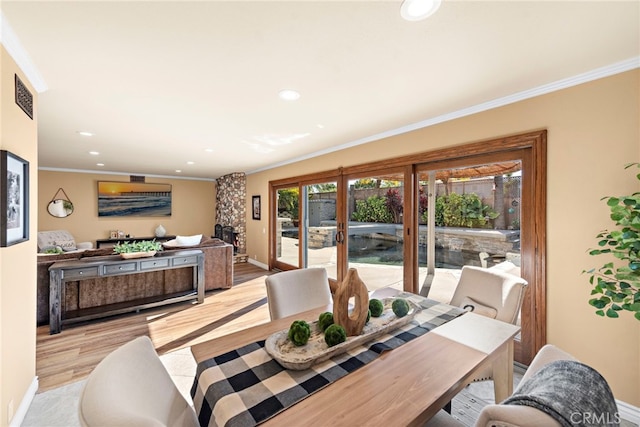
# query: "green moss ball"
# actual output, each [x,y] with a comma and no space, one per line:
[299,332]
[335,334]
[325,320]
[400,307]
[376,307]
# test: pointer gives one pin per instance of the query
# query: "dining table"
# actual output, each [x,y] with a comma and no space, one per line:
[404,386]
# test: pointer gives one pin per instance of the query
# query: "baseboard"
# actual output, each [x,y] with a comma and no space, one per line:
[18,417]
[258,264]
[629,412]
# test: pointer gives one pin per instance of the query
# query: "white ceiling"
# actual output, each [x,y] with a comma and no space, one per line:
[160,82]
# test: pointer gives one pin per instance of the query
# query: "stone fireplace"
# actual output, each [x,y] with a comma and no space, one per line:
[231,210]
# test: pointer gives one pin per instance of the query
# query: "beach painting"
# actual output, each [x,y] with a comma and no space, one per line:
[133,199]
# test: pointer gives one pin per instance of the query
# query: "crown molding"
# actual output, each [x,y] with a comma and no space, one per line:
[598,73]
[12,44]
[97,172]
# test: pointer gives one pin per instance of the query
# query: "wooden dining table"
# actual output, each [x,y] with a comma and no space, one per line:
[405,386]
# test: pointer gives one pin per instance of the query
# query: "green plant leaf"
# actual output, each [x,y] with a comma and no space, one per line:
[613,201]
[619,282]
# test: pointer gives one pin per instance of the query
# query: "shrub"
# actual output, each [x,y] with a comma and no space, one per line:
[373,209]
[466,210]
[394,204]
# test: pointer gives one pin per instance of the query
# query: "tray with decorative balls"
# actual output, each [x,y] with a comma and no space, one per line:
[298,357]
[305,344]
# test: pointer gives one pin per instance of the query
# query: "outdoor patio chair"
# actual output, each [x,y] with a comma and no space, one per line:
[295,291]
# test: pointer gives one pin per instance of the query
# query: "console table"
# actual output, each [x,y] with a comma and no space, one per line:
[91,268]
[111,242]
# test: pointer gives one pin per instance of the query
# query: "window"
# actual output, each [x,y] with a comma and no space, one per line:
[383,213]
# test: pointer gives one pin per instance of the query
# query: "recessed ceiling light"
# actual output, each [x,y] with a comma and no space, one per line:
[209,150]
[94,153]
[99,164]
[178,170]
[289,94]
[416,10]
[84,133]
[191,163]
[319,126]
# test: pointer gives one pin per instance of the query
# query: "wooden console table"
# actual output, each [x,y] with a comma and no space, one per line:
[91,268]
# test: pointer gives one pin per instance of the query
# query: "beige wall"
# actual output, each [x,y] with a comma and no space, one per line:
[18,134]
[192,207]
[593,131]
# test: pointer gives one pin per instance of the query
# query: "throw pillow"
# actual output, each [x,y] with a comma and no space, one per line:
[188,240]
[66,245]
[481,309]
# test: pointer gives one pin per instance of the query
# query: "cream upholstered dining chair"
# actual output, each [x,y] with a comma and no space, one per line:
[492,293]
[525,416]
[131,387]
[293,291]
[513,415]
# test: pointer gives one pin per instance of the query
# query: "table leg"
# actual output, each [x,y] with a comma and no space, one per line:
[55,302]
[199,278]
[503,372]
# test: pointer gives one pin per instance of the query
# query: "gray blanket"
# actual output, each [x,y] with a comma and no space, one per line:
[572,393]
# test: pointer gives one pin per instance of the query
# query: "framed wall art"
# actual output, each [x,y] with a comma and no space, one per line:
[255,207]
[14,198]
[117,198]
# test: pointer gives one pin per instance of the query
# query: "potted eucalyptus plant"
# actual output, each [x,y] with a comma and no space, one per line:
[616,284]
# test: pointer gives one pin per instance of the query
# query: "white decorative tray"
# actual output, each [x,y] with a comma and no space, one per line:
[133,255]
[316,349]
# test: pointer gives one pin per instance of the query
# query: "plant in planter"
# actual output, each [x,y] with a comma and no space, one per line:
[618,284]
[141,246]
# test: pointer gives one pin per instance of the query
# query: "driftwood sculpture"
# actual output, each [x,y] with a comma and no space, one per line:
[351,286]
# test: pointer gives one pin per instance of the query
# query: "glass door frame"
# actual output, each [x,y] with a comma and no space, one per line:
[530,148]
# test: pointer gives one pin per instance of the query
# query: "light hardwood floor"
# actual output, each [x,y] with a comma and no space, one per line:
[71,355]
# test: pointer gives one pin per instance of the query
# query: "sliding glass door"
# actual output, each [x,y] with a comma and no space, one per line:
[467,215]
[374,232]
[413,222]
[319,227]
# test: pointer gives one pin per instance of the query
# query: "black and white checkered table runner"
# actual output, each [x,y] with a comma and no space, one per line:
[245,387]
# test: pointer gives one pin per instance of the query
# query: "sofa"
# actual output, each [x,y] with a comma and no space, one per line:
[61,240]
[218,274]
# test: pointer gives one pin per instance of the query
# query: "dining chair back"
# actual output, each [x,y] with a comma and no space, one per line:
[131,387]
[513,415]
[525,416]
[490,292]
[293,291]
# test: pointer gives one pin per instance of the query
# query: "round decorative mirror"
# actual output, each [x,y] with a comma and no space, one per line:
[60,208]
